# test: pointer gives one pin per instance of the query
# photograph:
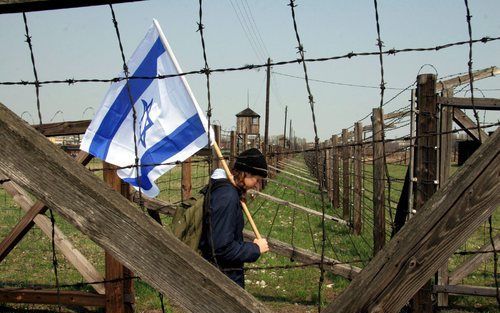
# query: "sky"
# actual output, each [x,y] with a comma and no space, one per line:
[81,43]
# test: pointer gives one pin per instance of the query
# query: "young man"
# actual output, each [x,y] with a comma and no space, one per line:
[221,241]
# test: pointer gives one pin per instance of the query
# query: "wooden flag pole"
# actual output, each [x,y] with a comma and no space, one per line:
[231,179]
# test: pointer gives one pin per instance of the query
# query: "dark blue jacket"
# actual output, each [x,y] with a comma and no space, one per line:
[224,222]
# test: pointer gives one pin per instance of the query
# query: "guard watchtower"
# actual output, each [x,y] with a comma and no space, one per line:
[247,129]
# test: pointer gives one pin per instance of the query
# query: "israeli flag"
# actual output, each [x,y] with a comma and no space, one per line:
[170,125]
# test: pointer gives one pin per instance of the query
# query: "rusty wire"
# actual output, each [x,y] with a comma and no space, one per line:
[350,55]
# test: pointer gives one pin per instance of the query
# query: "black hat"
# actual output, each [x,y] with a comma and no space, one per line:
[251,161]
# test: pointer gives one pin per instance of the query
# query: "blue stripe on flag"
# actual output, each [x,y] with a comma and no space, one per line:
[172,144]
[121,106]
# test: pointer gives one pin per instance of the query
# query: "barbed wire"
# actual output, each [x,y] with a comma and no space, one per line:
[36,82]
[71,81]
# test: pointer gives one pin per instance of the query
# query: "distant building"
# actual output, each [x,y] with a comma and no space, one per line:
[248,129]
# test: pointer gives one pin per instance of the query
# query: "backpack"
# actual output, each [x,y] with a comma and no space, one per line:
[187,224]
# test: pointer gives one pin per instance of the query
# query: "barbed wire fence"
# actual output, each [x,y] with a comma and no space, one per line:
[393,157]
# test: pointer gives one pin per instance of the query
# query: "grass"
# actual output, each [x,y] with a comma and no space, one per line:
[282,289]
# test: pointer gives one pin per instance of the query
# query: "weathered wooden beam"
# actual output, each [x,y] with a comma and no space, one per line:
[466,103]
[18,6]
[116,225]
[471,264]
[296,206]
[468,125]
[72,255]
[64,297]
[22,228]
[63,128]
[300,255]
[466,290]
[464,79]
[415,253]
[396,115]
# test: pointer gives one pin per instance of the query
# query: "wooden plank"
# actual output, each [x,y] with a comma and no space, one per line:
[18,6]
[296,206]
[379,178]
[22,228]
[63,128]
[116,225]
[471,264]
[466,103]
[464,79]
[469,126]
[415,253]
[358,178]
[346,181]
[466,290]
[307,257]
[64,297]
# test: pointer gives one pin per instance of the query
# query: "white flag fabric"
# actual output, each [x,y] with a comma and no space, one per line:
[170,125]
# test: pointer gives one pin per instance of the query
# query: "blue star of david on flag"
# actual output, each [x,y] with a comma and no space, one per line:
[148,123]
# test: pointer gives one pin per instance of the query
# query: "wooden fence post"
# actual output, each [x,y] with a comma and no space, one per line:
[358,140]
[335,172]
[346,185]
[186,184]
[445,146]
[426,165]
[378,181]
[328,168]
[233,148]
[119,292]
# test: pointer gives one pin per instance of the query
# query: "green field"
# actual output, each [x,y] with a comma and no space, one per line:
[282,284]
